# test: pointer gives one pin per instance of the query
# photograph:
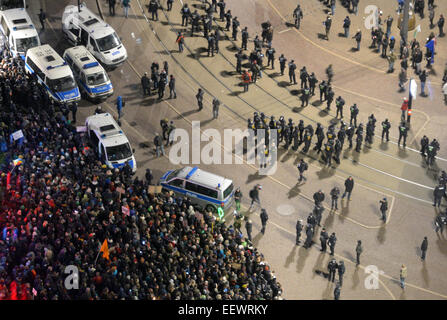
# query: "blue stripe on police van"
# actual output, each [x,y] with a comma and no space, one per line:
[101,89]
[118,165]
[182,191]
[193,170]
[166,174]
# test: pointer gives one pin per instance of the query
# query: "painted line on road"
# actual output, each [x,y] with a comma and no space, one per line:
[393,176]
[284,31]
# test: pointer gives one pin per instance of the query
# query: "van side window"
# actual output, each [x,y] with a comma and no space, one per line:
[74,30]
[5,27]
[93,44]
[191,187]
[207,192]
[76,69]
[94,139]
[36,69]
[176,183]
[84,37]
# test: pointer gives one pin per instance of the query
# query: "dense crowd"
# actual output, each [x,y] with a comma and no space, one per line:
[59,204]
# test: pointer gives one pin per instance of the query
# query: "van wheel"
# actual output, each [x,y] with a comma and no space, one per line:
[211,208]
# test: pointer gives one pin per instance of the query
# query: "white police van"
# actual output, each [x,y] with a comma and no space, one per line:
[53,73]
[203,188]
[85,28]
[90,75]
[18,31]
[109,141]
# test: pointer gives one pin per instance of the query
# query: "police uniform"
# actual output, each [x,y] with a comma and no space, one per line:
[386,125]
[402,133]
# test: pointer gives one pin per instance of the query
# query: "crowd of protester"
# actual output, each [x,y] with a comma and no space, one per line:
[59,204]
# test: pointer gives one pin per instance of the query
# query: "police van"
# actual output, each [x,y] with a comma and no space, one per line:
[85,28]
[109,141]
[53,73]
[203,188]
[18,31]
[90,75]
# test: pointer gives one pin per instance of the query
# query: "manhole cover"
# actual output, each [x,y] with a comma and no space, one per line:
[285,209]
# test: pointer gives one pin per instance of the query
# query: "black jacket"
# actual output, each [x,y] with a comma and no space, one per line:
[349,184]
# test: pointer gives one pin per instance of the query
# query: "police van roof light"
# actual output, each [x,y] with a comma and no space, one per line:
[90,65]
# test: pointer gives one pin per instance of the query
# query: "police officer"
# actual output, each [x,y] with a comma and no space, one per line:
[329,98]
[245,36]
[221,6]
[170,138]
[301,130]
[318,214]
[211,42]
[309,236]
[386,125]
[350,135]
[320,138]
[270,53]
[312,83]
[341,135]
[302,166]
[424,145]
[264,219]
[239,56]
[335,193]
[358,251]
[337,150]
[228,17]
[185,12]
[305,97]
[235,28]
[296,138]
[339,103]
[354,112]
[346,25]
[329,149]
[323,239]
[383,208]
[369,133]
[332,268]
[299,228]
[432,149]
[403,130]
[438,193]
[195,18]
[74,110]
[282,63]
[358,141]
[161,87]
[323,89]
[298,15]
[307,140]
[148,175]
[145,83]
[172,90]
[337,286]
[331,242]
[199,97]
[303,77]
[292,68]
[341,272]
[216,104]
[248,227]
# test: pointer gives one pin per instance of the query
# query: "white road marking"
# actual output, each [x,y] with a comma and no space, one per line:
[285,30]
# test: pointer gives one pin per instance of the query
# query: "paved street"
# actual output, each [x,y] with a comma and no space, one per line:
[384,170]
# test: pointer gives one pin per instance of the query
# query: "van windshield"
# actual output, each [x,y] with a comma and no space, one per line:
[23,44]
[62,84]
[108,42]
[97,78]
[119,152]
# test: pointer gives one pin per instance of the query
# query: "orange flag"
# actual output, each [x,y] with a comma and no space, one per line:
[105,250]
